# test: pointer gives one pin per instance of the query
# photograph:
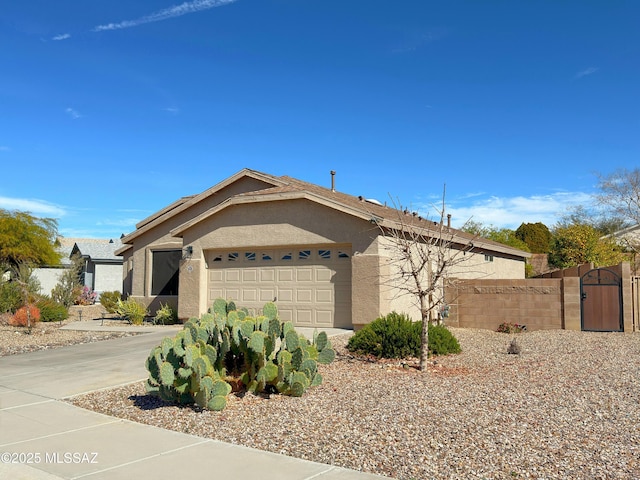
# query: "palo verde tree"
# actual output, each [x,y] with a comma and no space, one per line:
[421,255]
[25,239]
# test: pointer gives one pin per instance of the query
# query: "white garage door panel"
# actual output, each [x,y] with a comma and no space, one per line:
[311,285]
[304,274]
[324,295]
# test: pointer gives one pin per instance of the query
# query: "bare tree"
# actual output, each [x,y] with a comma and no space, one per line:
[422,254]
[620,196]
[620,191]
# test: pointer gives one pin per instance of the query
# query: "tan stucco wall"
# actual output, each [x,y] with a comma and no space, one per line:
[476,266]
[367,301]
[467,265]
[282,223]
[158,237]
[279,224]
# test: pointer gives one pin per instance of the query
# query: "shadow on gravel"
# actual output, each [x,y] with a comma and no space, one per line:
[148,402]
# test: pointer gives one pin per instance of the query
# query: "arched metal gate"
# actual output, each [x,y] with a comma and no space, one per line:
[601,294]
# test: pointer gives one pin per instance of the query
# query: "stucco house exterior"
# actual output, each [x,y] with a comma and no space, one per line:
[320,254]
[629,239]
[101,269]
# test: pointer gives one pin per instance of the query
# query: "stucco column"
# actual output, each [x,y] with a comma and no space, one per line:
[189,288]
[572,303]
[366,272]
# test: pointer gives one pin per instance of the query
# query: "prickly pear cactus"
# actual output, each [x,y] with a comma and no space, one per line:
[227,345]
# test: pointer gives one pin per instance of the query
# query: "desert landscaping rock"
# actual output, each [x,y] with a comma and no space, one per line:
[42,336]
[566,407]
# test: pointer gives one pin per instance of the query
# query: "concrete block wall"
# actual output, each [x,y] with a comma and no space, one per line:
[548,302]
[536,303]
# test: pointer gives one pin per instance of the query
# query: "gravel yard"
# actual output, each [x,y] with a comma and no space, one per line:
[14,340]
[566,407]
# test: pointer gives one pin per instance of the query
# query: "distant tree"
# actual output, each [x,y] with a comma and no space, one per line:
[505,236]
[620,192]
[25,239]
[581,243]
[536,236]
[606,222]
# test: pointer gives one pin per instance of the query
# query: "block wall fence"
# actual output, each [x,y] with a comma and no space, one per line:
[548,302]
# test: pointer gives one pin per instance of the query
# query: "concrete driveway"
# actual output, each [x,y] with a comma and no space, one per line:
[45,438]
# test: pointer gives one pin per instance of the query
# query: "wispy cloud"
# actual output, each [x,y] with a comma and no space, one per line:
[172,110]
[61,37]
[4,148]
[36,207]
[510,212]
[586,71]
[171,12]
[73,113]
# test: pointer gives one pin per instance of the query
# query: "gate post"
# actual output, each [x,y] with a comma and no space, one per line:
[627,297]
[571,303]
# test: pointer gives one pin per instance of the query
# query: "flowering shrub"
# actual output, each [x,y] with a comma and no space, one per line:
[86,297]
[25,316]
[508,327]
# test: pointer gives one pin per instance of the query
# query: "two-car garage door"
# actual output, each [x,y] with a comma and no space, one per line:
[311,285]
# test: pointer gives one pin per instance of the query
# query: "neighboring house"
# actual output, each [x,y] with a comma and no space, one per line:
[629,238]
[254,238]
[101,270]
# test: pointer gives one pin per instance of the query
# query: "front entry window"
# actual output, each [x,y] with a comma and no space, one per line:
[165,273]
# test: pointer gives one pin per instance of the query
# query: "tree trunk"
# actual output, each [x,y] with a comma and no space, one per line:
[424,345]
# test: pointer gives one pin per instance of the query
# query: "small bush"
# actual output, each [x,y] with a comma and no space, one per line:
[51,311]
[442,341]
[508,327]
[132,311]
[11,297]
[25,316]
[393,336]
[65,295]
[166,315]
[396,336]
[109,300]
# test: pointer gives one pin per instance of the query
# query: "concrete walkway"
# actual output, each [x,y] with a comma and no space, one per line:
[44,438]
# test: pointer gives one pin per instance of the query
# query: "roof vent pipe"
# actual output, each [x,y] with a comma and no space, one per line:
[448,220]
[333,180]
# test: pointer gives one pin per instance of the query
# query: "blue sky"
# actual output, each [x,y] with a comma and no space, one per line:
[112,109]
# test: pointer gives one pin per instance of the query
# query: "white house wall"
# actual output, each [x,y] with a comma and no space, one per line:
[108,278]
[48,278]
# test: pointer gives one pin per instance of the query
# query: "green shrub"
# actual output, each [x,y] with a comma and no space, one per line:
[396,336]
[109,300]
[132,311]
[228,347]
[51,311]
[442,341]
[11,297]
[393,336]
[166,315]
